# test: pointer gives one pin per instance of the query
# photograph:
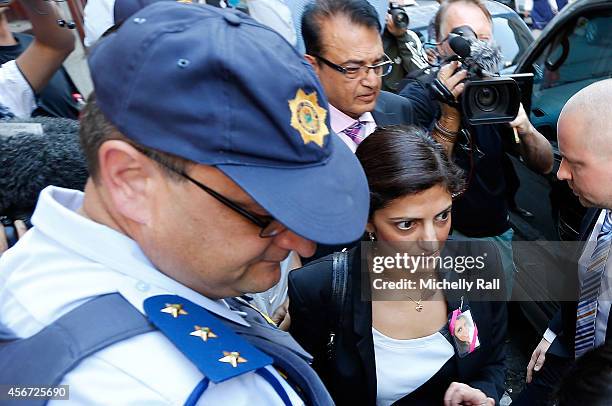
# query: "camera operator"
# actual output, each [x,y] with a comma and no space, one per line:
[23,78]
[482,210]
[401,45]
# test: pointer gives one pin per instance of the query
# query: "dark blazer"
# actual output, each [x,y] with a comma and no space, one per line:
[351,376]
[392,109]
[564,321]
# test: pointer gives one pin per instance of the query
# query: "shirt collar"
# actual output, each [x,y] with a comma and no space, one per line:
[340,121]
[56,217]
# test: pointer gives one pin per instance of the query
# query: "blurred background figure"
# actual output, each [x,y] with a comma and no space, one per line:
[60,98]
[23,78]
[402,45]
[541,12]
[100,15]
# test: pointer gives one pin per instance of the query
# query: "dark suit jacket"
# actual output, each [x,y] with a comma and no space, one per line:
[564,322]
[351,375]
[392,109]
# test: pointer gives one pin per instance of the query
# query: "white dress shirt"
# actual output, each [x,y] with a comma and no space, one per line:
[66,260]
[340,122]
[604,300]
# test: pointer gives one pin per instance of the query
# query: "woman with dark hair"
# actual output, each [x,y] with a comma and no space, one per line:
[395,346]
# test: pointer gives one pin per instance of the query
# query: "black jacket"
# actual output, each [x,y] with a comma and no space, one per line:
[351,376]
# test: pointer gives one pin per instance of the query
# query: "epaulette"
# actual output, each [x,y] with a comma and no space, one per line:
[217,351]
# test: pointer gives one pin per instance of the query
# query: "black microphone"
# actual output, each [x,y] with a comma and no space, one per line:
[30,161]
[459,45]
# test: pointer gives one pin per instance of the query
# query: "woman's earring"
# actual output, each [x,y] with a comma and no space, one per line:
[372,236]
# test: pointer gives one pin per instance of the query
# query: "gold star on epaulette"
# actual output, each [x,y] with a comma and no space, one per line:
[203,332]
[233,358]
[174,309]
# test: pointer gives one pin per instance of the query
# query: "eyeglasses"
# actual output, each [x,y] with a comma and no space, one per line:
[270,227]
[353,72]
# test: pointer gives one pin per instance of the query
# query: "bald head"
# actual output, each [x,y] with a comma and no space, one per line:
[585,144]
[591,110]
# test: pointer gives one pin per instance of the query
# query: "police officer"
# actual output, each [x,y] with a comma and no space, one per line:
[211,158]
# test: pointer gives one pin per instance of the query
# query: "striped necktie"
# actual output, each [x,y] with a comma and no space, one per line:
[353,132]
[589,291]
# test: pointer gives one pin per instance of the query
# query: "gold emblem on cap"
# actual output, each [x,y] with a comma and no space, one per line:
[308,117]
[174,309]
[203,332]
[232,357]
[184,1]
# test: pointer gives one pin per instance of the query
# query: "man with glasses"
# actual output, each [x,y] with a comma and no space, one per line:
[344,46]
[193,200]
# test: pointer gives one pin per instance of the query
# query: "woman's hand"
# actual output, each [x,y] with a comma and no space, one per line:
[281,316]
[462,394]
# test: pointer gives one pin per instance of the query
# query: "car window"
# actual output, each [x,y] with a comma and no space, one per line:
[582,53]
[577,56]
[512,38]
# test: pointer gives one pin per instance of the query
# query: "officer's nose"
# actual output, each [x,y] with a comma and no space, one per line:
[292,242]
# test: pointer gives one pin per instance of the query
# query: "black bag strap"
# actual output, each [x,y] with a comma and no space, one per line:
[339,288]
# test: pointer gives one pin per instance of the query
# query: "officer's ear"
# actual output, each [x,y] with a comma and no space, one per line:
[128,179]
[313,62]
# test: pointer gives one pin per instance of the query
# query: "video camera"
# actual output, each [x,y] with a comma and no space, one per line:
[399,15]
[488,98]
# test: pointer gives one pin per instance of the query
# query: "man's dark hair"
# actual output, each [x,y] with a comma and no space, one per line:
[444,6]
[405,160]
[96,130]
[589,381]
[359,12]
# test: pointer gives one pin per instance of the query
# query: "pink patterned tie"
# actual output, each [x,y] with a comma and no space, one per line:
[353,132]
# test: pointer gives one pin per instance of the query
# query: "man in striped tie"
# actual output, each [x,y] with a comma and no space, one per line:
[585,144]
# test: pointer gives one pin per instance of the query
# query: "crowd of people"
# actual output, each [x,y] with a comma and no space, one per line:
[243,165]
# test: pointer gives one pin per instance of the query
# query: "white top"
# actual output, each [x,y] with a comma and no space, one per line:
[604,300]
[16,94]
[66,260]
[99,17]
[404,365]
[340,122]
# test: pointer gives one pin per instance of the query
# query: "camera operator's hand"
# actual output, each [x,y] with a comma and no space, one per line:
[450,86]
[393,30]
[21,229]
[453,78]
[534,147]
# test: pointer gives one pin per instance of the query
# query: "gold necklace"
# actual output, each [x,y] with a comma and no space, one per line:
[419,304]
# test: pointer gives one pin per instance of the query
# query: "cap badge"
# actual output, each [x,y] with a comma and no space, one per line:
[308,117]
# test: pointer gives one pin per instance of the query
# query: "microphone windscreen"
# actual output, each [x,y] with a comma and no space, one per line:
[30,161]
[487,57]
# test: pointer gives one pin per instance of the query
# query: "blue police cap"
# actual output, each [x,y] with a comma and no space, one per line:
[214,86]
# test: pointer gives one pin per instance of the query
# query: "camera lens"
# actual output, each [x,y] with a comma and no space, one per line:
[487,99]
